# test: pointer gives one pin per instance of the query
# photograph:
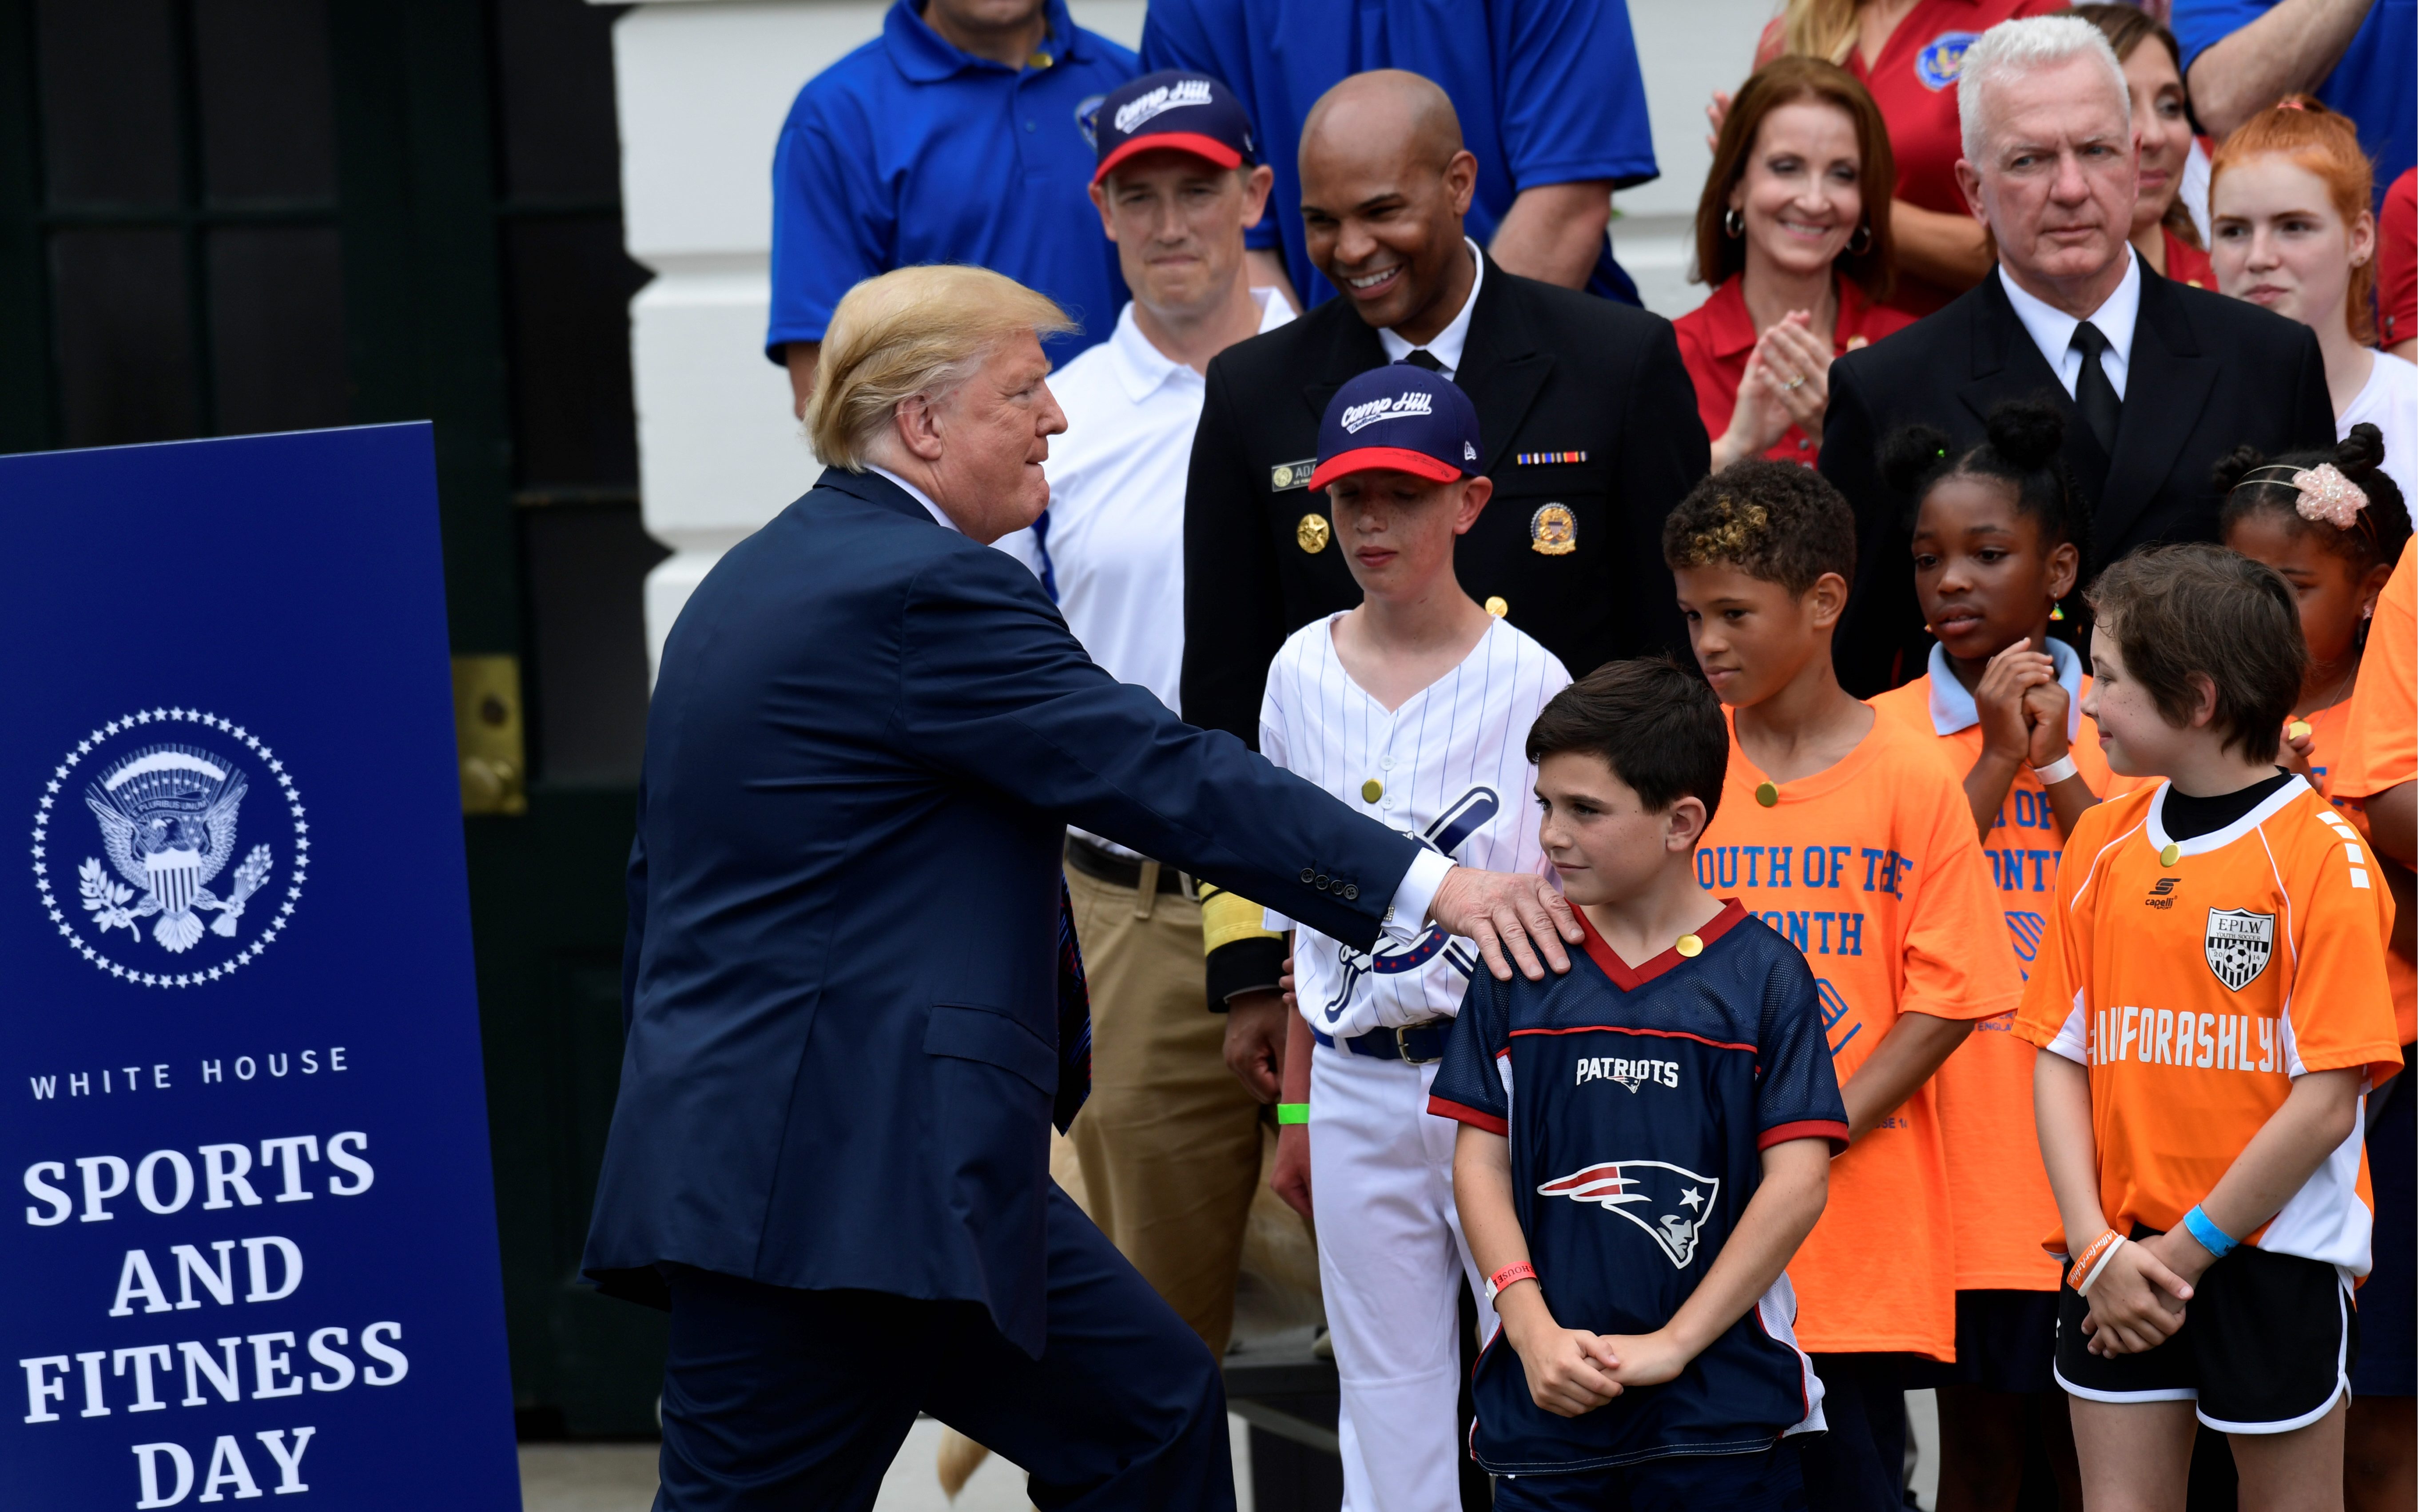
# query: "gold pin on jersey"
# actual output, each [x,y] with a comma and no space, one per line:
[1312,533]
[1371,790]
[1689,945]
[2171,855]
[1554,531]
[1497,605]
[1766,794]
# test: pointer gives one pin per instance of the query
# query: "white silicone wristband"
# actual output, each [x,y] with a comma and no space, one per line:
[2096,1271]
[2055,771]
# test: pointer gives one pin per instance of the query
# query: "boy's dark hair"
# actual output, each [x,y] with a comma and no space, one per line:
[2195,607]
[1655,722]
[2256,484]
[1772,520]
[2023,447]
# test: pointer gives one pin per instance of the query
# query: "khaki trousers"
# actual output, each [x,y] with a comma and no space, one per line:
[1170,1138]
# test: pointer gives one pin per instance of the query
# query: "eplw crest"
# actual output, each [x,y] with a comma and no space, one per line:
[2239,943]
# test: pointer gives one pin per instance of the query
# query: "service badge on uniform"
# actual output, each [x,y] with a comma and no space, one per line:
[1553,530]
[165,800]
[1312,533]
[1287,476]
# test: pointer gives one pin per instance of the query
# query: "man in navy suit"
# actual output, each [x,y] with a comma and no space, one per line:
[841,990]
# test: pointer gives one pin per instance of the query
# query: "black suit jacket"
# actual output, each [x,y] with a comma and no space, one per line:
[1550,370]
[2204,375]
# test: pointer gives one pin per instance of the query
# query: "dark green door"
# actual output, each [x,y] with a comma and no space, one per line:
[221,216]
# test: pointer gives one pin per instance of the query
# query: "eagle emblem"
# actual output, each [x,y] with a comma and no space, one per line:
[1670,1202]
[167,817]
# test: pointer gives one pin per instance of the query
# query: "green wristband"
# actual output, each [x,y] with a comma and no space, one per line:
[1293,1113]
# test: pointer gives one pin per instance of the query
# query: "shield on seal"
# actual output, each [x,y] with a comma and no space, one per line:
[2239,943]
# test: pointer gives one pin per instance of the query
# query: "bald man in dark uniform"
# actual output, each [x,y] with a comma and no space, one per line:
[1587,418]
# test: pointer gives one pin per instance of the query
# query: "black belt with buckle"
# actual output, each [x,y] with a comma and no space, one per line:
[1102,864]
[1415,1045]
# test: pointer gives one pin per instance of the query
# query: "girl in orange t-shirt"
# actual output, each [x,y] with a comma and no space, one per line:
[1999,529]
[2333,523]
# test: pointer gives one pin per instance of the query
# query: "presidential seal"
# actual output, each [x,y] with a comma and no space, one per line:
[165,790]
[1553,530]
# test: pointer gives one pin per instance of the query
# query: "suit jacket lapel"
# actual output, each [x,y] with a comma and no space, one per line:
[2167,383]
[1502,368]
[1352,349]
[2008,364]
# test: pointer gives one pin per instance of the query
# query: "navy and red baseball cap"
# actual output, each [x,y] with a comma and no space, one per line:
[1186,111]
[1399,419]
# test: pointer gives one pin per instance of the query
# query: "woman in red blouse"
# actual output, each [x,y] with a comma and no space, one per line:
[1793,233]
[2163,232]
[1908,53]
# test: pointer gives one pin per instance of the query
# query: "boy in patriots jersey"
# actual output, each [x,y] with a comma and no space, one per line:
[1411,708]
[1645,1142]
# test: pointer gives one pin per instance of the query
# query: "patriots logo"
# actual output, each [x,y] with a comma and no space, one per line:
[1670,1202]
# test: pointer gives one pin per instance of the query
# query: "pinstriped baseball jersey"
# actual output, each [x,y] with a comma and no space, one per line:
[1449,766]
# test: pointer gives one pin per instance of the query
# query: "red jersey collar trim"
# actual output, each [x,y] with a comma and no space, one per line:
[1628,979]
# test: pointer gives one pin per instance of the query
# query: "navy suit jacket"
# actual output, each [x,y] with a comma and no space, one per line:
[839,987]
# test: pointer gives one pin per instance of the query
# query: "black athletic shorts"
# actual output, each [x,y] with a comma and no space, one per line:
[2267,1344]
[2004,1341]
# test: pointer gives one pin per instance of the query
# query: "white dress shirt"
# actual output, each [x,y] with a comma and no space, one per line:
[2052,329]
[917,495]
[1446,347]
[1953,707]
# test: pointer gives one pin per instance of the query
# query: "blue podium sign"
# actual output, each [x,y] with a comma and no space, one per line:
[249,1230]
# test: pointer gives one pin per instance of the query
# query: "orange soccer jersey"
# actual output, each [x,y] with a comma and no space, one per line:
[1996,1183]
[2196,991]
[2379,741]
[1873,870]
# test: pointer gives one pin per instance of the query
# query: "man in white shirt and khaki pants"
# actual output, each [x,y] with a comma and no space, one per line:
[1170,1141]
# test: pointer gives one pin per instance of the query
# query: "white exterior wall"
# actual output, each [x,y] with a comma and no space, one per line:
[704,86]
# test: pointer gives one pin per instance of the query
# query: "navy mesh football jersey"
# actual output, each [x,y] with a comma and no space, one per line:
[1638,1104]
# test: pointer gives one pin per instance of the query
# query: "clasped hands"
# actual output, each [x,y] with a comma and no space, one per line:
[2137,1302]
[2022,707]
[1570,1370]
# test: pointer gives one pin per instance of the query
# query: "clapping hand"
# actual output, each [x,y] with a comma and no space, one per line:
[1797,363]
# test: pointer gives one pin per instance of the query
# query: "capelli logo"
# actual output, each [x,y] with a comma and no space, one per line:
[1398,407]
[1144,108]
[2163,896]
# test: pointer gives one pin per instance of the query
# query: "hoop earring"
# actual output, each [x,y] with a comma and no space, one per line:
[1732,225]
[1865,235]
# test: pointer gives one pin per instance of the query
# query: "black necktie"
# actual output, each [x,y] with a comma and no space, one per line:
[2093,394]
[1421,358]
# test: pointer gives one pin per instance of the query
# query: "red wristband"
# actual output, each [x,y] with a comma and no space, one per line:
[1508,1276]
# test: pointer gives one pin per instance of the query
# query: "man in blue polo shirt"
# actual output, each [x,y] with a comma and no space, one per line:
[1548,92]
[2242,55]
[962,135]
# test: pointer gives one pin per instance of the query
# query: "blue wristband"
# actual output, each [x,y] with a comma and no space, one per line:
[2210,1238]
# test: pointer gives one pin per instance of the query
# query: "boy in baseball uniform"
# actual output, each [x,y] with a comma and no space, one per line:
[1415,706]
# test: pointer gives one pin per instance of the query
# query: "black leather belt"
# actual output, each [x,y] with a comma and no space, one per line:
[1416,1044]
[1102,864]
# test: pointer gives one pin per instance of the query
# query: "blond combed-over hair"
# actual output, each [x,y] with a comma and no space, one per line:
[914,331]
